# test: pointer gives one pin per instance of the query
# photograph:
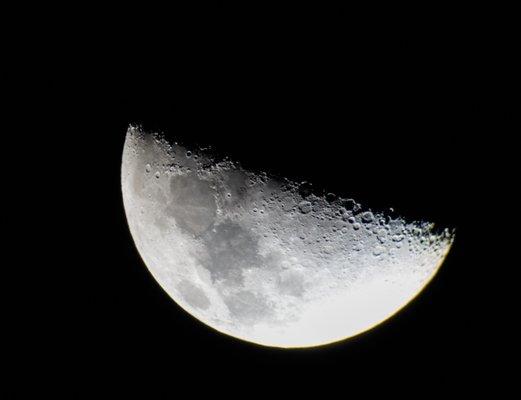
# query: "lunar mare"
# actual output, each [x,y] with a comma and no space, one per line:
[261,258]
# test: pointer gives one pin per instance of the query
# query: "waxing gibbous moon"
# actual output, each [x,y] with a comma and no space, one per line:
[263,259]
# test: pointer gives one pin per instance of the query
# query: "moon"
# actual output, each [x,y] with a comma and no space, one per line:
[264,259]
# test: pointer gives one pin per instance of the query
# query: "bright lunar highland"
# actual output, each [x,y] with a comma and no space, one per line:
[263,258]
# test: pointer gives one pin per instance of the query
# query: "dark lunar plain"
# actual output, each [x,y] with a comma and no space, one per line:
[414,108]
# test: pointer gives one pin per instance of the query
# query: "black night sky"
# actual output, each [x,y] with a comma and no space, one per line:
[414,108]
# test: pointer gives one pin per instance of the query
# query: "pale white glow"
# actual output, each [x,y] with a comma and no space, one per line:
[249,256]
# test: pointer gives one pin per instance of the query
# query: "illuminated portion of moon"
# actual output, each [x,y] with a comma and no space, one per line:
[263,259]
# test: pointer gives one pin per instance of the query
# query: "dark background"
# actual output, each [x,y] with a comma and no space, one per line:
[405,107]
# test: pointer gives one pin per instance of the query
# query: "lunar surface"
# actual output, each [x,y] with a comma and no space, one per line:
[264,259]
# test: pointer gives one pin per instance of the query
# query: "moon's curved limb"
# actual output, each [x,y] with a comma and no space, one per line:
[258,258]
